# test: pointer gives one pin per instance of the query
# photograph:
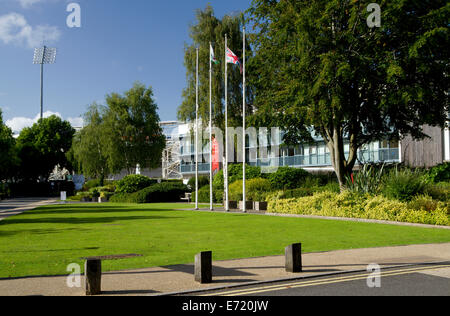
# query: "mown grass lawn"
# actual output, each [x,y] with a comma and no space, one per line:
[46,240]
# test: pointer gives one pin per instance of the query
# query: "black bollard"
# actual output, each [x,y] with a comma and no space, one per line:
[294,258]
[203,267]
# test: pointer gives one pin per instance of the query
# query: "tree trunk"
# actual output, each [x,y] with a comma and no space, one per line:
[341,165]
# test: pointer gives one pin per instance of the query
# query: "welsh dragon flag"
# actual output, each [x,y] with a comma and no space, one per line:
[233,59]
[213,57]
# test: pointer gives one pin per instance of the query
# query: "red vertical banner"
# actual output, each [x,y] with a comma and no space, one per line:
[215,155]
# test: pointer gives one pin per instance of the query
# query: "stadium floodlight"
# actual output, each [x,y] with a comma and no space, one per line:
[43,55]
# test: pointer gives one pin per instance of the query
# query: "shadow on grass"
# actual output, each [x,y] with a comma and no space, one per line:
[81,220]
[40,231]
[92,209]
[50,250]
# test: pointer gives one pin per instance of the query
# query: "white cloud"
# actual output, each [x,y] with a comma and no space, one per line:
[17,124]
[15,29]
[28,3]
[76,121]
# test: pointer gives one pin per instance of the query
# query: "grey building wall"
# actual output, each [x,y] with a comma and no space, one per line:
[426,153]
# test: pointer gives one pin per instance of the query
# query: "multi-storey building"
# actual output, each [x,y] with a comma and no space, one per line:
[312,157]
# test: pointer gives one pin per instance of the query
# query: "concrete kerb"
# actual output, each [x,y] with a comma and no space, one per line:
[297,278]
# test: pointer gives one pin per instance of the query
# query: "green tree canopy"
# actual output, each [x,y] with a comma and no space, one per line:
[132,133]
[8,155]
[318,65]
[44,146]
[209,29]
[88,145]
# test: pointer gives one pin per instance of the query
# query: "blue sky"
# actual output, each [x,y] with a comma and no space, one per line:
[119,42]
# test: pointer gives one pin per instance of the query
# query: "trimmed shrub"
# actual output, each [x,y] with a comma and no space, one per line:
[121,198]
[202,181]
[258,189]
[203,195]
[296,193]
[235,191]
[235,173]
[133,183]
[157,193]
[91,184]
[286,178]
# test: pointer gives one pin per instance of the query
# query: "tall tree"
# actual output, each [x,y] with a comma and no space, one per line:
[132,133]
[319,66]
[88,145]
[209,29]
[8,156]
[44,146]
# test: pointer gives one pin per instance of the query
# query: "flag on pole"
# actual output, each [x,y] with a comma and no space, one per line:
[233,59]
[213,57]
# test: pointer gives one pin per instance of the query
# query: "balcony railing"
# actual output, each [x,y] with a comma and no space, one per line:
[322,160]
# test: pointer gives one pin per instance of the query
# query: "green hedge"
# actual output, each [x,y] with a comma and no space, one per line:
[296,193]
[203,195]
[157,193]
[286,178]
[133,183]
[256,190]
[202,182]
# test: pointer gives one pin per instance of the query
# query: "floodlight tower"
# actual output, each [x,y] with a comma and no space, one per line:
[43,55]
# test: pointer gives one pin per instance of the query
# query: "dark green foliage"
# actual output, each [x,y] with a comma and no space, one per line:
[8,154]
[286,178]
[132,133]
[318,64]
[157,193]
[440,173]
[91,184]
[88,146]
[133,183]
[203,195]
[202,181]
[206,29]
[235,172]
[439,191]
[44,146]
[404,184]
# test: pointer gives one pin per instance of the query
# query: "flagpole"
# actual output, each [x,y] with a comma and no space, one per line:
[196,136]
[211,207]
[225,174]
[244,208]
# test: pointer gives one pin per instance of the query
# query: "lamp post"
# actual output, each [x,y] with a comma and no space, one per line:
[43,55]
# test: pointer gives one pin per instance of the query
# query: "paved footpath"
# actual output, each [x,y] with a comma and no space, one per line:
[17,206]
[179,278]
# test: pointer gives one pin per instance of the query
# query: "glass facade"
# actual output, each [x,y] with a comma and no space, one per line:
[302,156]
